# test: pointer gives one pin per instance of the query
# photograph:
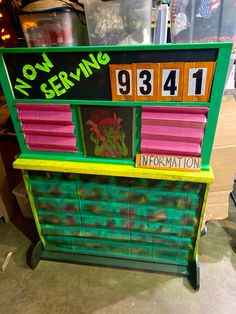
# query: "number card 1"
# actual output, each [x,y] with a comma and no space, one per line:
[122,83]
[198,78]
[171,81]
[146,81]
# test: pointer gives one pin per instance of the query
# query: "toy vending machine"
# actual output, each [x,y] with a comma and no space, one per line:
[115,149]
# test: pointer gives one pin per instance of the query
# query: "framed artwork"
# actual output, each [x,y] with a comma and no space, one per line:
[107,131]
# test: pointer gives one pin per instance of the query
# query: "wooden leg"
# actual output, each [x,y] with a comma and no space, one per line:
[194,274]
[35,255]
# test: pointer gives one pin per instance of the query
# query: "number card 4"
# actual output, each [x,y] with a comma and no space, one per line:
[198,81]
[122,83]
[171,81]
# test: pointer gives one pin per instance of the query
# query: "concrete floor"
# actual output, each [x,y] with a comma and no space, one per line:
[66,288]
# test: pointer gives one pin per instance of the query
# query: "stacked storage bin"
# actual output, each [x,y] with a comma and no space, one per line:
[92,207]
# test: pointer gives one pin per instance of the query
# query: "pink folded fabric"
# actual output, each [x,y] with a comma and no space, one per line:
[170,133]
[47,127]
[170,148]
[173,130]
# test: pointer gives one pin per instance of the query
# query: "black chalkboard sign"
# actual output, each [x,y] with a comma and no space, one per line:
[82,75]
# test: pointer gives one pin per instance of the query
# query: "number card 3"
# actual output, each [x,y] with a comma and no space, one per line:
[146,81]
[198,78]
[122,84]
[171,81]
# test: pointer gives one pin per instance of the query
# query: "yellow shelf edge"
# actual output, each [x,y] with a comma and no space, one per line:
[204,176]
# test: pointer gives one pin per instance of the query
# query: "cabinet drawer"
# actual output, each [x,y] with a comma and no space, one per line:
[57,204]
[117,235]
[48,217]
[47,187]
[138,225]
[134,211]
[103,193]
[61,230]
[102,208]
[118,249]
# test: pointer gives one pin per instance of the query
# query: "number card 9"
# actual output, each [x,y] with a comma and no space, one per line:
[198,81]
[122,83]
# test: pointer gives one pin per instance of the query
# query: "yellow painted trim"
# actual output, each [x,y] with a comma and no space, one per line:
[33,207]
[200,222]
[203,176]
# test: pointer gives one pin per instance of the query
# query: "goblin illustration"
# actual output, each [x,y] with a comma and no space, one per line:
[108,137]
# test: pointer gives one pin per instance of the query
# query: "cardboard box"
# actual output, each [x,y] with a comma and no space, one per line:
[217,205]
[223,161]
[226,127]
[22,199]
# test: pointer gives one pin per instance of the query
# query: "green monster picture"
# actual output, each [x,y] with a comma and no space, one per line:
[108,137]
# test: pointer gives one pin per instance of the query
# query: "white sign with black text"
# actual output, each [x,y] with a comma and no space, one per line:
[186,163]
